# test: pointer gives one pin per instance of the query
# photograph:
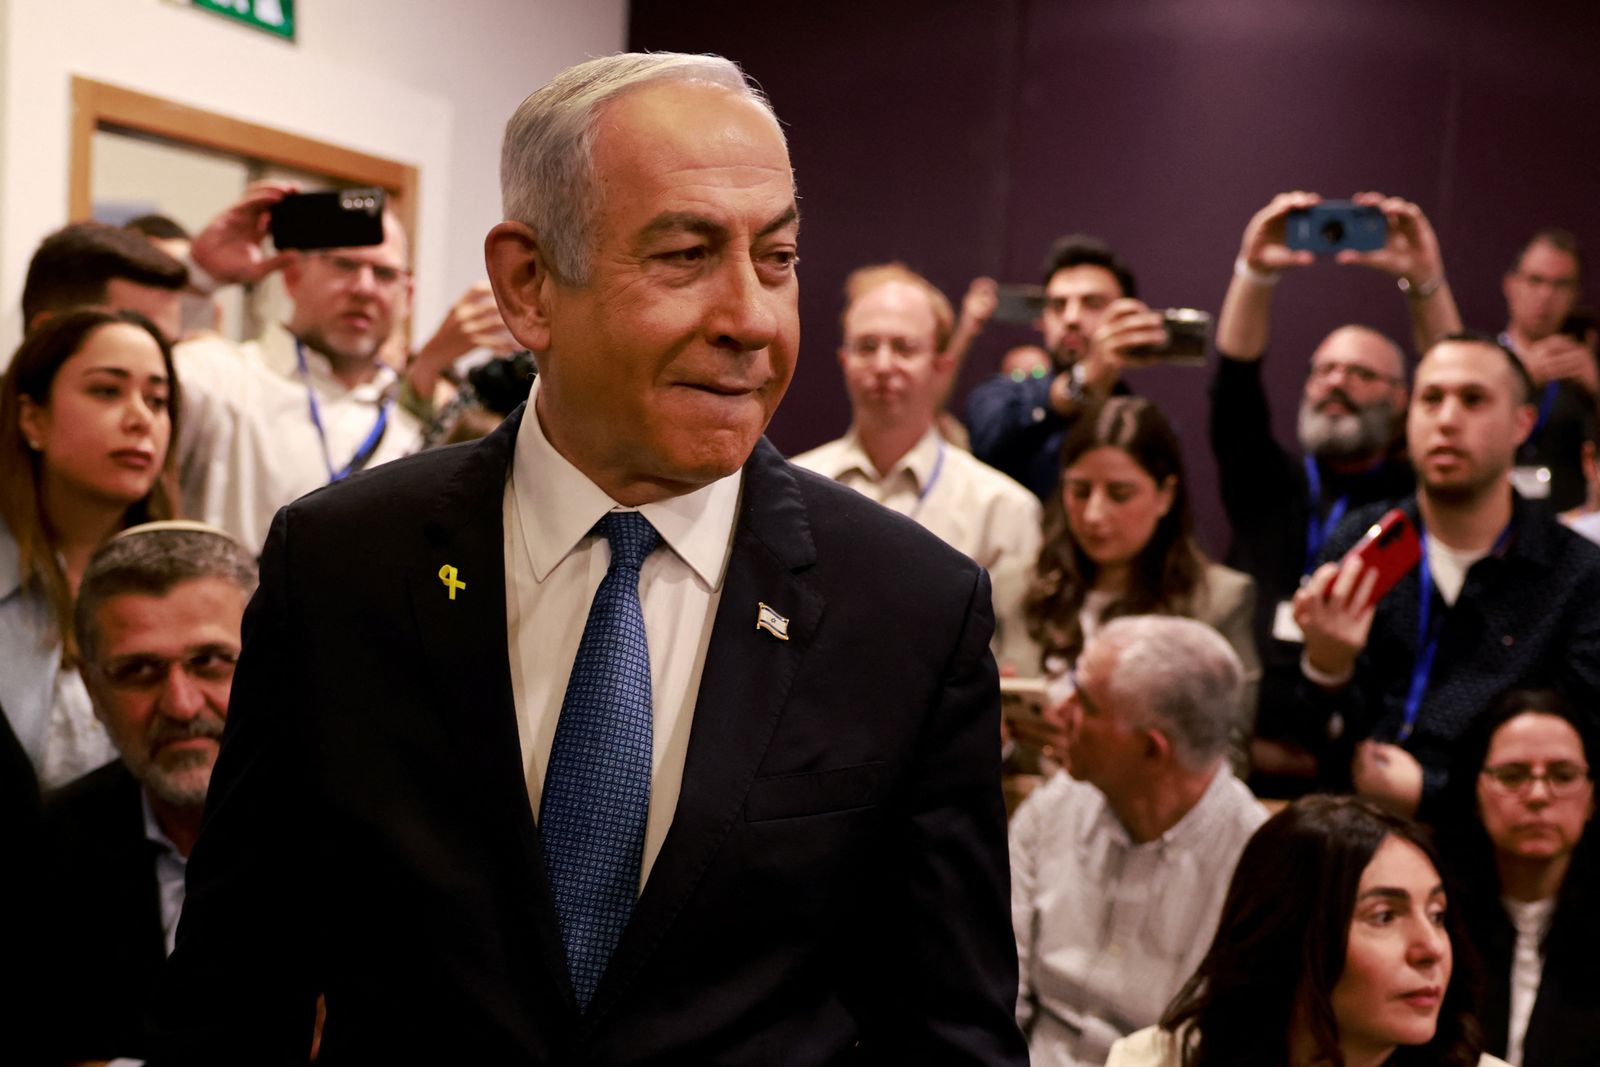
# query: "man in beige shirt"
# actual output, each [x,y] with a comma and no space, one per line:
[897,366]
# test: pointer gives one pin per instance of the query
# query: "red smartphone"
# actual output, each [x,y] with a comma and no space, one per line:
[1393,547]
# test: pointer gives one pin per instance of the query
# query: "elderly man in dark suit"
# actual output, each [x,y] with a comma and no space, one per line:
[612,738]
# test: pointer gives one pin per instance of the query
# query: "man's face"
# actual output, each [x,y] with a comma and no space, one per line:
[892,370]
[659,375]
[1076,299]
[1541,290]
[347,300]
[1102,748]
[160,679]
[1466,420]
[1353,396]
[164,307]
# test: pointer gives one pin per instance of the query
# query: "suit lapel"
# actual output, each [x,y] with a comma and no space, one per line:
[743,688]
[464,643]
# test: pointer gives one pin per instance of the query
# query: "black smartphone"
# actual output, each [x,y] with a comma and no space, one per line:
[1019,304]
[1335,225]
[339,218]
[1580,324]
[1188,332]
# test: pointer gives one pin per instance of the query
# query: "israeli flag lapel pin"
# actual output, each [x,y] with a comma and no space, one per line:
[770,621]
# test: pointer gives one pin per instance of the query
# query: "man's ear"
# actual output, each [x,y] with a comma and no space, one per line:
[523,286]
[1157,746]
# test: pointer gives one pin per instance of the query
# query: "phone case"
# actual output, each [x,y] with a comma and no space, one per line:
[1393,547]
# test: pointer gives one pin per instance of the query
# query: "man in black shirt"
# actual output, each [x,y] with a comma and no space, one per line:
[1282,506]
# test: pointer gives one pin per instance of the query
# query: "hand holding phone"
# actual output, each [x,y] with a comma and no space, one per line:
[1334,226]
[340,218]
[1188,333]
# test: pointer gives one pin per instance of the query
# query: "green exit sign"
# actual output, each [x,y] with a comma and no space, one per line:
[269,16]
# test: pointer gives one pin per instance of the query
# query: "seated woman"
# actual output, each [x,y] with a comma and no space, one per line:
[1334,947]
[1513,833]
[88,407]
[1119,540]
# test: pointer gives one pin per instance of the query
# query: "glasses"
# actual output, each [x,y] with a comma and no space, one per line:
[1539,281]
[900,347]
[384,275]
[1354,371]
[1562,779]
[146,671]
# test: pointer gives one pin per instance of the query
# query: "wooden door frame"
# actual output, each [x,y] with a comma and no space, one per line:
[97,105]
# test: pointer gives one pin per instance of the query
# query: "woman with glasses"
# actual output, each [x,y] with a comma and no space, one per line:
[1514,824]
[88,408]
[1119,540]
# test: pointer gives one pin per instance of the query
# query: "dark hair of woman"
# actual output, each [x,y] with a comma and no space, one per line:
[1282,938]
[1170,567]
[31,374]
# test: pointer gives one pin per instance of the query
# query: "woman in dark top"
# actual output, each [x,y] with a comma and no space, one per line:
[1513,828]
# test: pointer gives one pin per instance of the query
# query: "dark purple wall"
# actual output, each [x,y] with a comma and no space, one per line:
[961,136]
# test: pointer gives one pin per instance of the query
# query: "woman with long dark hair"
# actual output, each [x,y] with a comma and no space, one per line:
[1119,540]
[1336,946]
[1514,829]
[88,410]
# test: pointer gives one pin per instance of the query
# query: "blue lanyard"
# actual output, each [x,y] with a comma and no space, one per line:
[1317,530]
[933,480]
[367,447]
[1427,635]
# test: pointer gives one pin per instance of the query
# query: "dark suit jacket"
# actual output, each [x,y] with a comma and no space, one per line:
[101,920]
[834,885]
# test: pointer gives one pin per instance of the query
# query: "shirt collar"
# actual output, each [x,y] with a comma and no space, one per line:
[921,461]
[152,828]
[278,350]
[558,505]
[1194,826]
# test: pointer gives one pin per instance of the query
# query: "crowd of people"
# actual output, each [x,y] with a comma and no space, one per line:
[807,801]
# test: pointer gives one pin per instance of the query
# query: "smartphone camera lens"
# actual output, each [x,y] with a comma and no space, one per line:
[1333,231]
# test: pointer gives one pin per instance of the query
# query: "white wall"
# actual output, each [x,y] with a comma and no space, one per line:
[427,82]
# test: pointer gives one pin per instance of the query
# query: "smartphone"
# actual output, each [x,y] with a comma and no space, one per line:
[1022,699]
[1188,334]
[1580,324]
[1335,225]
[1018,304]
[339,218]
[1392,547]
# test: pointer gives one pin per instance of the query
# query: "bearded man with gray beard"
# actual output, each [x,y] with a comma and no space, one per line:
[1281,504]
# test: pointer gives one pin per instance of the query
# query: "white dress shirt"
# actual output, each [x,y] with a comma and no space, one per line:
[248,444]
[968,505]
[554,567]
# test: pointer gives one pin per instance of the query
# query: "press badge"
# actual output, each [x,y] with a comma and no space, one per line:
[1284,628]
[1532,482]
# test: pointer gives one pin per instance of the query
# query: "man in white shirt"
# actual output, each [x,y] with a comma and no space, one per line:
[1120,865]
[897,369]
[158,620]
[311,401]
[612,737]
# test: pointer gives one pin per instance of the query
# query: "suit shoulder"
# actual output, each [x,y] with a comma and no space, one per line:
[91,804]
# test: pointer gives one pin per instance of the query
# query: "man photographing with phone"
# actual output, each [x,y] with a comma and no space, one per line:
[1283,506]
[1502,595]
[1092,321]
[311,401]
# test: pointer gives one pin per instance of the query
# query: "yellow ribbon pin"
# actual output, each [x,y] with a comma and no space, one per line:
[447,575]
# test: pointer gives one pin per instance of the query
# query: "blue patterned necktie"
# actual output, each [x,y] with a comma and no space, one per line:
[597,789]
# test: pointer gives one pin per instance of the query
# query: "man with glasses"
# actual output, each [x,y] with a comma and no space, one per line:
[311,401]
[897,367]
[1283,505]
[1119,866]
[158,622]
[1541,289]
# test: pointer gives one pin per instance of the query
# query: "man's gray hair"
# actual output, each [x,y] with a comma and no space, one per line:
[547,159]
[150,560]
[1178,676]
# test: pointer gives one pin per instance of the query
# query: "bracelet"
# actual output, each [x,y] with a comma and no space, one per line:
[1419,292]
[1245,272]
